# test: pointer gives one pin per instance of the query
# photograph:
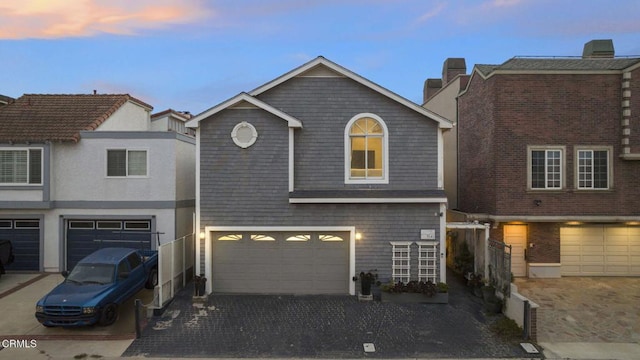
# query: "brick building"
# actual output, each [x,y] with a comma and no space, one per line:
[548,152]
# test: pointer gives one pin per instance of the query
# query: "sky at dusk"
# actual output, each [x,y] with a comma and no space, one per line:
[190,55]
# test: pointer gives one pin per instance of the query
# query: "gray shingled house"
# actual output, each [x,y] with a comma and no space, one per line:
[314,177]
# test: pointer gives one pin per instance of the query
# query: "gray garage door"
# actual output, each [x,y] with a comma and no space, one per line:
[87,236]
[25,238]
[281,262]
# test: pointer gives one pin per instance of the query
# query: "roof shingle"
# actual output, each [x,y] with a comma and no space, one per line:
[560,64]
[36,118]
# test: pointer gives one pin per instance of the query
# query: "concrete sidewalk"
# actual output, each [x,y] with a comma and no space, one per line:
[591,351]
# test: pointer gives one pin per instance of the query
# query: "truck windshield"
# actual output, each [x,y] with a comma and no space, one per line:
[92,274]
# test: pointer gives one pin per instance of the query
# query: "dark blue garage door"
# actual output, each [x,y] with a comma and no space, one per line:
[25,238]
[87,236]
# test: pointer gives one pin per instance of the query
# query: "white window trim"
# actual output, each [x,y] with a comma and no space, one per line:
[609,150]
[251,141]
[28,165]
[563,155]
[106,163]
[347,152]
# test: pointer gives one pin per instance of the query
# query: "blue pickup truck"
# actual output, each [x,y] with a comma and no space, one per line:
[97,285]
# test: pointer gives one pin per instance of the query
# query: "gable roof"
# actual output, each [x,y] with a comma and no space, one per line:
[252,101]
[34,117]
[322,61]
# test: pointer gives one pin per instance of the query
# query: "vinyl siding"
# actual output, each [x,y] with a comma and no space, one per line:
[325,106]
[249,187]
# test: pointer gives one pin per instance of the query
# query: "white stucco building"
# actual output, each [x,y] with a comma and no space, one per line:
[80,172]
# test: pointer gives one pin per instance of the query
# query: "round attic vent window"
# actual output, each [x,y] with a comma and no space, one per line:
[244,134]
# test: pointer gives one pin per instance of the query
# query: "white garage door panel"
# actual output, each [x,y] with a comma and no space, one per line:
[600,251]
[292,263]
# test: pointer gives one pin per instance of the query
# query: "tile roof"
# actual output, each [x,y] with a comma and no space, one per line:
[34,117]
[560,64]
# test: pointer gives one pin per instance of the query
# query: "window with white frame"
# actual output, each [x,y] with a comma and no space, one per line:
[21,166]
[401,262]
[546,168]
[125,162]
[427,261]
[593,169]
[366,150]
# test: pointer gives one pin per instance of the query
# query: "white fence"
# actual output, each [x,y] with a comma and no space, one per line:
[175,268]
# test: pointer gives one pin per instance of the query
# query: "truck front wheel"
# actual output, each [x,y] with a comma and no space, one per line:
[109,315]
[152,279]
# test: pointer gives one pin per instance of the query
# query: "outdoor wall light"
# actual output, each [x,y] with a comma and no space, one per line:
[537,202]
[202,235]
[358,236]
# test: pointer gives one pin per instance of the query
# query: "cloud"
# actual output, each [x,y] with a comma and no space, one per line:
[502,3]
[432,13]
[63,18]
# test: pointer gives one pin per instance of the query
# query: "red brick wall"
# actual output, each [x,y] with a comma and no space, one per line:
[545,238]
[499,117]
[476,180]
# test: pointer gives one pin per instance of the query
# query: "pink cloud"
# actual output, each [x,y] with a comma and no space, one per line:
[62,18]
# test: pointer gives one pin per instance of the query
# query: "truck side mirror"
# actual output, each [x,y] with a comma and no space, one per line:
[65,273]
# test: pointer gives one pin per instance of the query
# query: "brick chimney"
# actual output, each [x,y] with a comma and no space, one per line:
[431,86]
[451,68]
[598,49]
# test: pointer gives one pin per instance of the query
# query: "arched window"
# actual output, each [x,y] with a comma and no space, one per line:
[366,150]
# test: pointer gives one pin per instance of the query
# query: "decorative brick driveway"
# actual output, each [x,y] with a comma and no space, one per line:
[585,309]
[322,326]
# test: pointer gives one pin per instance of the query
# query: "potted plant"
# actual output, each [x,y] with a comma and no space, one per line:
[488,292]
[475,284]
[493,305]
[366,280]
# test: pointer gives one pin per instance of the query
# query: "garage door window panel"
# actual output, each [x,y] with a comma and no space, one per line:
[6,224]
[137,225]
[27,224]
[329,237]
[230,237]
[301,237]
[262,237]
[109,225]
[88,225]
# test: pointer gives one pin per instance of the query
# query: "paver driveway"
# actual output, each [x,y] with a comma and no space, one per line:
[322,326]
[585,309]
